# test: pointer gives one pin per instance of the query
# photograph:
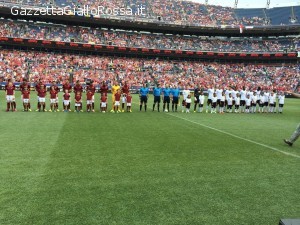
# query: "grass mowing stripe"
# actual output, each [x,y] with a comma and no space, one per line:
[241,138]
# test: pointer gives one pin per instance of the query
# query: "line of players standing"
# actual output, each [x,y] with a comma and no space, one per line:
[118,94]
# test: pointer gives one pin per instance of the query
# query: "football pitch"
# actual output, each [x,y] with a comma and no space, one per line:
[147,168]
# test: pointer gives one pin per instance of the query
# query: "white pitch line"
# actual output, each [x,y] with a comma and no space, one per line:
[233,135]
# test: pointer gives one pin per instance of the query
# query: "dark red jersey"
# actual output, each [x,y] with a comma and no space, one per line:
[67,96]
[10,90]
[25,94]
[91,88]
[125,89]
[38,86]
[42,93]
[56,88]
[103,98]
[67,86]
[117,97]
[104,89]
[77,98]
[23,86]
[53,94]
[89,96]
[128,98]
[78,88]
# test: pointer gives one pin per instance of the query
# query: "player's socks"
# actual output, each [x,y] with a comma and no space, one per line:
[145,107]
[141,107]
[8,106]
[153,107]
[158,106]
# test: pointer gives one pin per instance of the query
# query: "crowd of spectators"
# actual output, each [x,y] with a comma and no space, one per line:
[30,30]
[169,11]
[59,67]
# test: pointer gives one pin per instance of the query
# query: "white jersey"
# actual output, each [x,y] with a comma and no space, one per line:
[219,93]
[188,100]
[227,92]
[281,99]
[185,93]
[254,99]
[261,99]
[201,99]
[271,99]
[266,96]
[214,99]
[229,100]
[248,102]
[233,94]
[237,101]
[243,95]
[250,93]
[210,93]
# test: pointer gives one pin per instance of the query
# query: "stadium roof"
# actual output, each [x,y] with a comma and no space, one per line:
[252,3]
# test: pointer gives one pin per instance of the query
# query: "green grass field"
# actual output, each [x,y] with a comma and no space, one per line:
[148,168]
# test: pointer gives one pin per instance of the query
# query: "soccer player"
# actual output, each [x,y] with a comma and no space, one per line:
[210,92]
[186,92]
[10,96]
[296,133]
[125,88]
[156,94]
[272,100]
[37,89]
[237,103]
[281,98]
[89,102]
[229,103]
[128,102]
[114,89]
[219,92]
[117,101]
[175,97]
[25,97]
[261,102]
[78,102]
[266,101]
[53,99]
[42,97]
[67,86]
[103,103]
[188,102]
[123,101]
[253,102]
[24,85]
[248,104]
[166,98]
[222,103]
[56,88]
[66,97]
[144,91]
[214,103]
[92,88]
[201,101]
[243,94]
[196,96]
[78,88]
[104,89]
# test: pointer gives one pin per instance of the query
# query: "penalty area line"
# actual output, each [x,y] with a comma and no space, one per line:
[238,137]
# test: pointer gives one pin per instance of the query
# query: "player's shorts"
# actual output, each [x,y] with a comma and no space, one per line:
[26,100]
[237,106]
[218,101]
[188,105]
[89,102]
[272,105]
[117,103]
[266,103]
[253,104]
[209,101]
[257,102]
[53,100]
[128,104]
[66,102]
[201,105]
[243,103]
[196,100]
[214,104]
[156,99]
[281,105]
[233,102]
[43,100]
[166,99]
[10,98]
[229,106]
[175,100]
[103,104]
[144,99]
[77,104]
[222,104]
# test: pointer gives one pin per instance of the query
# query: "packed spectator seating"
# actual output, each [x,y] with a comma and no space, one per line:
[58,67]
[28,30]
[179,12]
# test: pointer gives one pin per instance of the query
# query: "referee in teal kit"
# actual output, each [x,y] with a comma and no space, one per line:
[156,94]
[166,98]
[144,97]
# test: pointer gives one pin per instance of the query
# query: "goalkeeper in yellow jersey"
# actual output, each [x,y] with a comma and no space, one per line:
[114,89]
